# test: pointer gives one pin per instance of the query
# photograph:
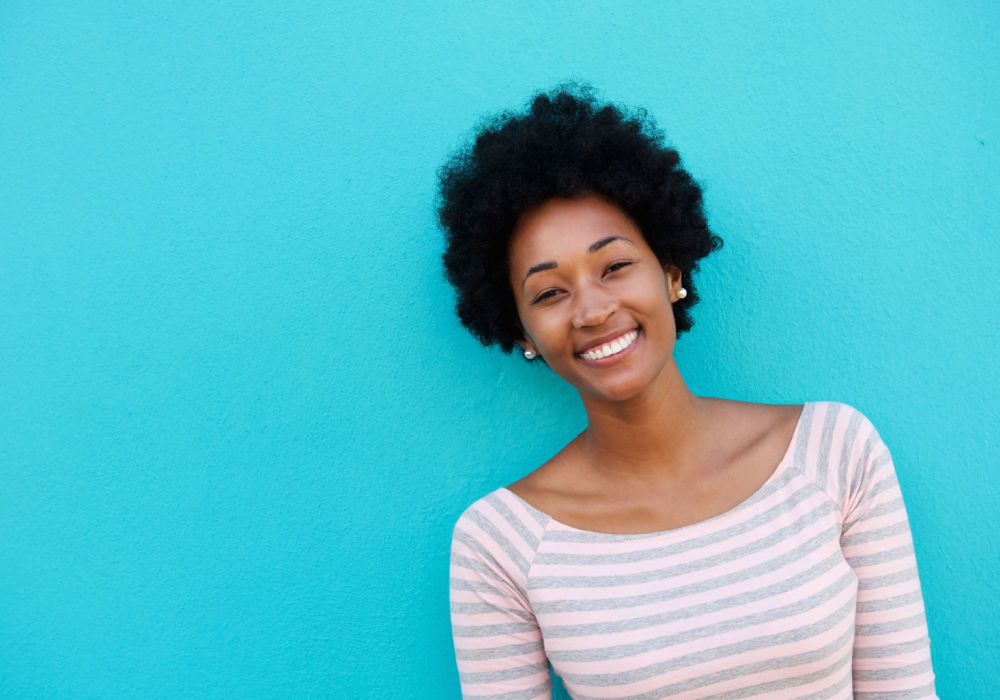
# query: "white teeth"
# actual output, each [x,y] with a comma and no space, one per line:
[612,348]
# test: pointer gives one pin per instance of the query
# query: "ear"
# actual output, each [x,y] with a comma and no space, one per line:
[672,274]
[527,345]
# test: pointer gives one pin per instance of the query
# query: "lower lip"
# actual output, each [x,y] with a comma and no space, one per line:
[612,359]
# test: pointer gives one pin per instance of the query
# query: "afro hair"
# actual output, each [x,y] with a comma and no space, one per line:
[565,145]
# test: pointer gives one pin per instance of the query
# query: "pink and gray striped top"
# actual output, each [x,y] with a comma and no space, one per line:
[807,589]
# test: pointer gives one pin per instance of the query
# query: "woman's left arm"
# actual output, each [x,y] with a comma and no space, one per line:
[891,647]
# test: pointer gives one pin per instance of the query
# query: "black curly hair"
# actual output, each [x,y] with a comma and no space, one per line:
[566,145]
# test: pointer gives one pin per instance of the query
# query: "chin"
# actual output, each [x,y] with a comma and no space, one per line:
[616,393]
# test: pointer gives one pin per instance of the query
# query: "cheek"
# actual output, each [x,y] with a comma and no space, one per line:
[650,291]
[524,320]
[530,329]
[542,333]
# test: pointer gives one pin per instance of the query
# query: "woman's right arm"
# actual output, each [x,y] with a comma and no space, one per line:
[498,644]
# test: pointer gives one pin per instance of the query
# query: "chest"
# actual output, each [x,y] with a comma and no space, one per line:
[758,599]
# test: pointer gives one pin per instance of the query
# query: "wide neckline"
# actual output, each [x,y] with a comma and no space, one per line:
[786,459]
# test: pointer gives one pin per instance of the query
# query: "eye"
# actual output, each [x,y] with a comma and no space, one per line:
[544,296]
[617,265]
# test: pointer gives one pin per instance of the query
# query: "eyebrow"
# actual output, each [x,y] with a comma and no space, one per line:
[594,247]
[604,241]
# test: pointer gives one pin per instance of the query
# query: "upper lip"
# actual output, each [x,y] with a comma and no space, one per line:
[601,340]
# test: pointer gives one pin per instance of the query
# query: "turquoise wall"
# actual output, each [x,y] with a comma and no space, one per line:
[237,417]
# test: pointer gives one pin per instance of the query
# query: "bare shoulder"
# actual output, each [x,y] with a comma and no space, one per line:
[545,487]
[737,448]
[755,432]
[757,416]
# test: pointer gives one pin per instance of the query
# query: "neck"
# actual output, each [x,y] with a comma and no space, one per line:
[652,433]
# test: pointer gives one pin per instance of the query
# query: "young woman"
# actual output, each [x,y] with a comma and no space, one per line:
[680,546]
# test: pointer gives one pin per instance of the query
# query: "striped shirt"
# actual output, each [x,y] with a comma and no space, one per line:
[808,588]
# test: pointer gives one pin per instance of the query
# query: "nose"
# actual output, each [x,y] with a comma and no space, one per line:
[593,306]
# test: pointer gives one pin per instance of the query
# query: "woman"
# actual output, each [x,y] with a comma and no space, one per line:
[680,546]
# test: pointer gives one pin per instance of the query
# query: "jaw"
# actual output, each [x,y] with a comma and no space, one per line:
[617,377]
[631,398]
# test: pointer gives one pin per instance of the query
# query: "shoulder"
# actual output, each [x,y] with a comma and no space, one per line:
[502,502]
[547,488]
[752,436]
[831,426]
[494,543]
[751,422]
[836,446]
[500,522]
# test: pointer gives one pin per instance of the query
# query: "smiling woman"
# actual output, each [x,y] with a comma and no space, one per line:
[598,309]
[680,546]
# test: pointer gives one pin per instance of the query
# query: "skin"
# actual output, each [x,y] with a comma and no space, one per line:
[654,456]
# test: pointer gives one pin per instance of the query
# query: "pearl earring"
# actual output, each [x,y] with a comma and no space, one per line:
[529,354]
[682,293]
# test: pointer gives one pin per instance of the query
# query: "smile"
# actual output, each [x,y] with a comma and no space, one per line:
[614,347]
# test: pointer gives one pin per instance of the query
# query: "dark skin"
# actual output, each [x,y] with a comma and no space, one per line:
[595,303]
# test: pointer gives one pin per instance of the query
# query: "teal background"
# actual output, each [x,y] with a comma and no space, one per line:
[237,416]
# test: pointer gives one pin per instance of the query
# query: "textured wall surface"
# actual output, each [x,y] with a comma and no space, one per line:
[237,417]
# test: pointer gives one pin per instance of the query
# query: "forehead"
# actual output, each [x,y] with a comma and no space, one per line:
[562,228]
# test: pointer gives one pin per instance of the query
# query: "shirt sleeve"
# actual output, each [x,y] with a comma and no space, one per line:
[891,647]
[498,644]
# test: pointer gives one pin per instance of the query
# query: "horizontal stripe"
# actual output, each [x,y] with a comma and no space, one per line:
[718,654]
[741,601]
[883,674]
[485,608]
[507,628]
[920,693]
[904,552]
[772,599]
[494,653]
[877,534]
[913,597]
[785,506]
[542,690]
[506,674]
[688,568]
[689,636]
[878,629]
[683,591]
[890,650]
[870,583]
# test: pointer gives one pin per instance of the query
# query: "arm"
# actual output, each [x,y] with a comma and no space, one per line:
[891,648]
[498,644]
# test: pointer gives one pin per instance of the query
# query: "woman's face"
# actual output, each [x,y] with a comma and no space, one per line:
[592,297]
